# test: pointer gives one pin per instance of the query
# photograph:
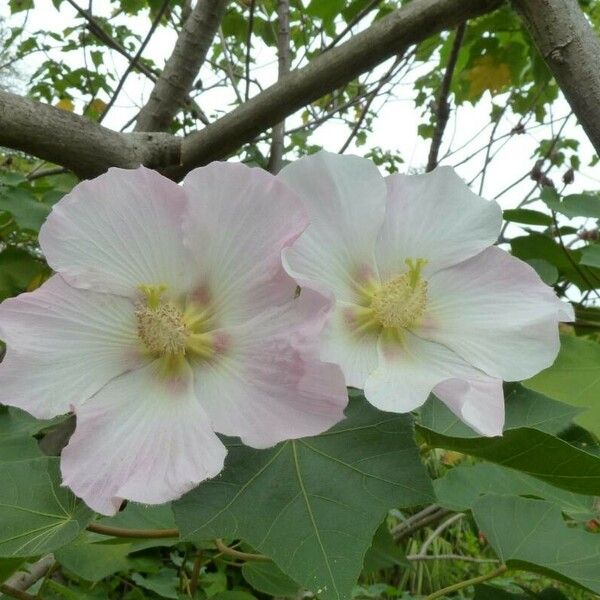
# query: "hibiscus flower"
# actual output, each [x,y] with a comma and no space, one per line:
[424,302]
[170,318]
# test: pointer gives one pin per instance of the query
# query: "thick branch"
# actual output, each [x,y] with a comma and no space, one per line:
[89,149]
[387,37]
[77,143]
[571,50]
[175,82]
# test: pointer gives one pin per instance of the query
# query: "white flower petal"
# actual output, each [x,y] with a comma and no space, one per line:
[143,438]
[479,403]
[495,312]
[409,370]
[270,385]
[63,345]
[434,216]
[345,199]
[355,351]
[240,220]
[118,231]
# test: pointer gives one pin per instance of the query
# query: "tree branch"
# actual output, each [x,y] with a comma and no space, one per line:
[175,82]
[89,149]
[283,60]
[23,580]
[571,50]
[443,107]
[386,37]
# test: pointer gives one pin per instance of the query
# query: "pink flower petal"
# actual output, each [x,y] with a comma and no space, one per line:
[142,438]
[479,403]
[345,199]
[495,312]
[270,385]
[118,231]
[410,369]
[436,217]
[63,345]
[240,220]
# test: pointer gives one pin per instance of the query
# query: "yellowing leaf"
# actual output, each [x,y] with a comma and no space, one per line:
[487,74]
[96,106]
[65,104]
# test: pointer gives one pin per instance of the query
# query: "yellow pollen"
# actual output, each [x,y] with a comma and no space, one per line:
[162,328]
[401,302]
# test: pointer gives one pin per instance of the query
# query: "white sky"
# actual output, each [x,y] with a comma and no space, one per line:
[394,129]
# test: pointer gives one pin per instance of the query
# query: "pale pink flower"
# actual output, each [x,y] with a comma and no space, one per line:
[170,318]
[425,303]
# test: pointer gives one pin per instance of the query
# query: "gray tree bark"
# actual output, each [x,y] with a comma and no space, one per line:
[171,90]
[571,50]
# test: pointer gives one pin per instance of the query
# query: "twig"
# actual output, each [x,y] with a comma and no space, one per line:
[46,173]
[283,60]
[460,557]
[135,60]
[437,531]
[132,533]
[443,107]
[23,580]
[224,549]
[359,17]
[249,47]
[196,573]
[463,584]
[229,65]
[15,593]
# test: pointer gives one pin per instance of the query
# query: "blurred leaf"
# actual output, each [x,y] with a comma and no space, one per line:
[29,213]
[17,270]
[462,486]
[164,583]
[94,562]
[8,566]
[525,446]
[332,492]
[575,205]
[486,75]
[38,515]
[548,273]
[19,5]
[532,535]
[590,256]
[575,379]
[527,216]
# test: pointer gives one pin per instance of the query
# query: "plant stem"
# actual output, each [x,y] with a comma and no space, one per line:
[463,584]
[8,590]
[132,533]
[224,549]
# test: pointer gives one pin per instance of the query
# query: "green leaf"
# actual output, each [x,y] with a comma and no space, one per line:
[164,583]
[17,270]
[384,552]
[29,213]
[548,273]
[8,566]
[527,216]
[268,578]
[38,515]
[20,5]
[576,205]
[525,446]
[313,505]
[532,535]
[94,562]
[16,441]
[233,595]
[590,256]
[491,592]
[574,378]
[462,486]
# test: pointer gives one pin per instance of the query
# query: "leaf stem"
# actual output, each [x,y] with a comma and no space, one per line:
[224,549]
[132,533]
[463,584]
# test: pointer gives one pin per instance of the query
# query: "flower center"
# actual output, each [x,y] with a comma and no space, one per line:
[162,328]
[401,302]
[168,329]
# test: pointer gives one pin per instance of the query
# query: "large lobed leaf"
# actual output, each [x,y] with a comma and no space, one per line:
[313,505]
[532,535]
[527,444]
